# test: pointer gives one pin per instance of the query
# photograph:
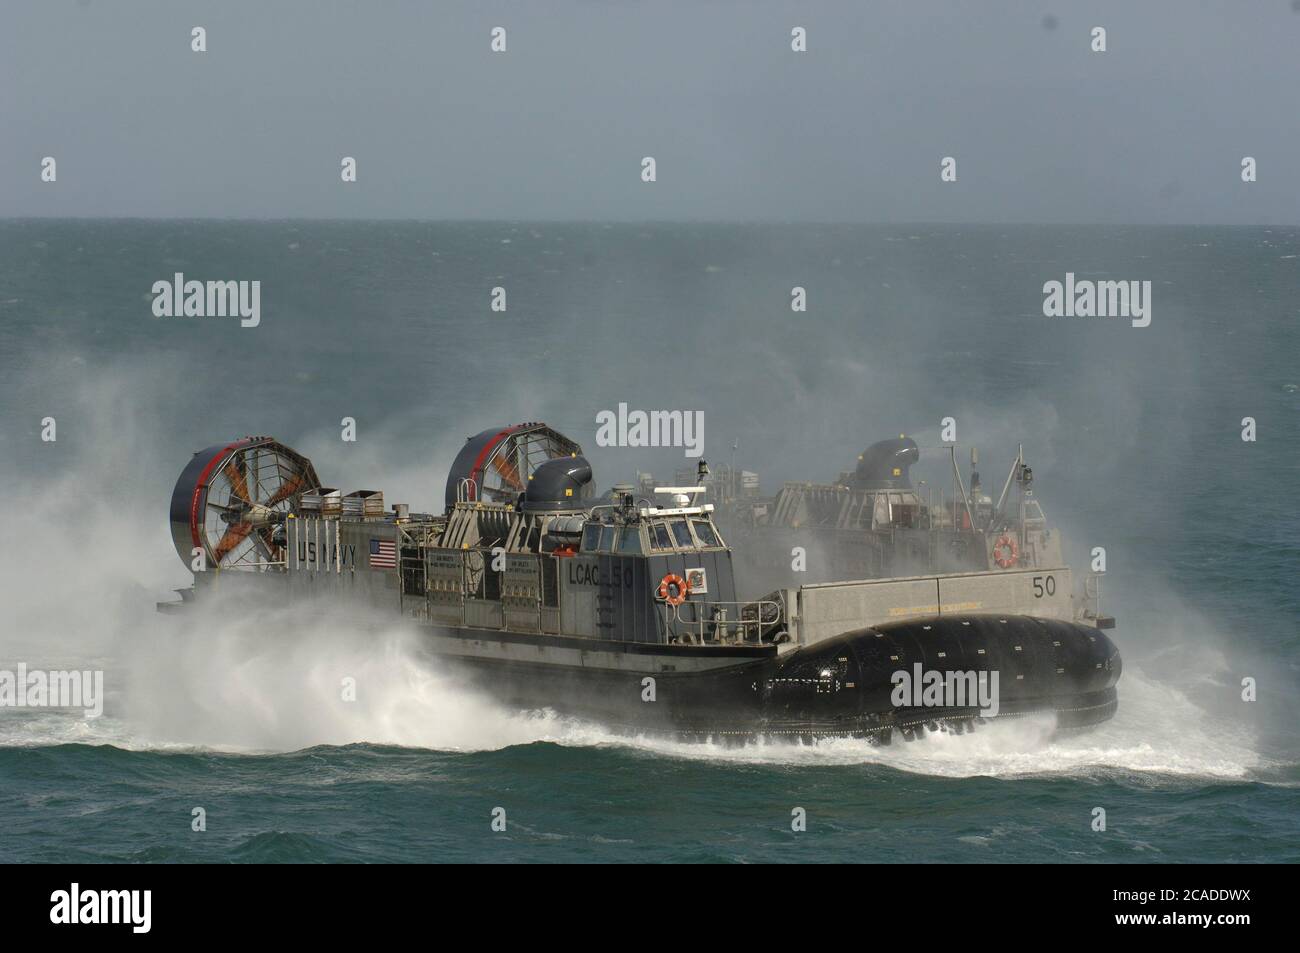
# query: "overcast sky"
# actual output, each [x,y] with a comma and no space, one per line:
[741,127]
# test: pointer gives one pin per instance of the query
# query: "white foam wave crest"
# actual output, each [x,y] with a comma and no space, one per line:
[269,682]
[275,682]
[1157,731]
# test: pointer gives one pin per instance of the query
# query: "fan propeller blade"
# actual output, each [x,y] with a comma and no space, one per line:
[508,472]
[235,474]
[232,538]
[265,541]
[287,489]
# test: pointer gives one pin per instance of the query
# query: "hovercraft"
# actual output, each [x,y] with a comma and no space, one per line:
[626,608]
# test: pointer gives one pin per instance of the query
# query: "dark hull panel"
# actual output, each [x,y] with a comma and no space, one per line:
[841,687]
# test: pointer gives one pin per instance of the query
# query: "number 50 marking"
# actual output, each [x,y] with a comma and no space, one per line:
[1044,584]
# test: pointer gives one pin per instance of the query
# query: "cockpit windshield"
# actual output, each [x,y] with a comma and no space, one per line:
[629,540]
[704,531]
[659,538]
[662,534]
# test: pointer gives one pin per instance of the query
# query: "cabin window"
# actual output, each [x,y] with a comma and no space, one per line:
[590,537]
[606,539]
[682,534]
[629,540]
[659,538]
[704,530]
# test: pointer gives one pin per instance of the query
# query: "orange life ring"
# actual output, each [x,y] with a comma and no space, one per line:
[673,589]
[1006,553]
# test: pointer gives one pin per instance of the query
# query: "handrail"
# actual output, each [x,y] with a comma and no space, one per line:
[725,622]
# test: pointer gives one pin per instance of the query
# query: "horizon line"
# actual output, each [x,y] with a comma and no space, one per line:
[815,223]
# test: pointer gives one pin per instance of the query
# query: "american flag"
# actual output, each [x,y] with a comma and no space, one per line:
[383,554]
